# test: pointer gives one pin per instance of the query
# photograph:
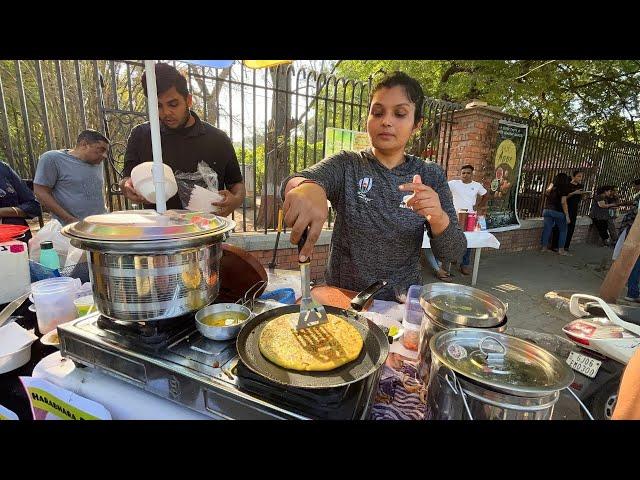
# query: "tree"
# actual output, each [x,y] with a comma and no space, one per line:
[597,96]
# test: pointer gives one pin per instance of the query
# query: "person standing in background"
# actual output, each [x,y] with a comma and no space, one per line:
[574,197]
[465,193]
[600,211]
[69,183]
[556,212]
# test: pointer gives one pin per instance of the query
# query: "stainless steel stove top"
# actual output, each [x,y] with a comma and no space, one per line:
[204,375]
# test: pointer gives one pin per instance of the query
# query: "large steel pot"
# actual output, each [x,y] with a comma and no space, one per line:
[482,375]
[145,266]
[490,314]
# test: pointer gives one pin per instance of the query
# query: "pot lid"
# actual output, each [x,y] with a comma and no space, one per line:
[462,306]
[502,362]
[148,225]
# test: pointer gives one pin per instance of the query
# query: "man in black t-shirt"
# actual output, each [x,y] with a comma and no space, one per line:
[186,141]
[576,190]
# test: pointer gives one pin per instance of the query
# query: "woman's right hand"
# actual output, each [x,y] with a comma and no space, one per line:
[568,218]
[305,205]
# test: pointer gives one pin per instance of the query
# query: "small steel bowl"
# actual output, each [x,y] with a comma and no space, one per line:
[224,332]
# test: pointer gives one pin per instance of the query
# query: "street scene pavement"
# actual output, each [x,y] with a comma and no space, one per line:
[523,279]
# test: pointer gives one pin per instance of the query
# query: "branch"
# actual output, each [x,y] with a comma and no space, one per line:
[533,69]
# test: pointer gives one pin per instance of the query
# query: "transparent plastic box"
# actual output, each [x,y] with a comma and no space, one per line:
[412,318]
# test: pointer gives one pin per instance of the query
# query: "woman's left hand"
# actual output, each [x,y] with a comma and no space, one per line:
[425,201]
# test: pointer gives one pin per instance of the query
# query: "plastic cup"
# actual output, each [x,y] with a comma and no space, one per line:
[53,299]
[84,305]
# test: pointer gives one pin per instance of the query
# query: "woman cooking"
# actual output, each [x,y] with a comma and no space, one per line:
[383,199]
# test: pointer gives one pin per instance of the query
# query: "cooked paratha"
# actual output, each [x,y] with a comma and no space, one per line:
[318,348]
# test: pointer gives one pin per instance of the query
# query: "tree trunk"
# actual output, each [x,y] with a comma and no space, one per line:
[276,147]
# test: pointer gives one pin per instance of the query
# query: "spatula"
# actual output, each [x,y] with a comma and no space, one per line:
[311,312]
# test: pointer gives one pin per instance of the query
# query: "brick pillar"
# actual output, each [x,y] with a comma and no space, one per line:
[473,139]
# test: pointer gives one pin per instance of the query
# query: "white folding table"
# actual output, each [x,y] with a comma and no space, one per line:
[476,240]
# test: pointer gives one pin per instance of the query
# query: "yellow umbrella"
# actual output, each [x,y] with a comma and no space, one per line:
[264,63]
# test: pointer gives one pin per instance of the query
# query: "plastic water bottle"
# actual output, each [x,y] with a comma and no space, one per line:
[48,256]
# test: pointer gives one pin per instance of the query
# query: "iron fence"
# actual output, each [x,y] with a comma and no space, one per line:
[276,118]
[551,150]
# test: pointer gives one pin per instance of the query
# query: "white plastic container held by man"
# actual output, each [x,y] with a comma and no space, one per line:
[142,180]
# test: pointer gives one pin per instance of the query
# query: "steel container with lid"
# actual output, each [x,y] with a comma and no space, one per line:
[450,305]
[148,266]
[484,375]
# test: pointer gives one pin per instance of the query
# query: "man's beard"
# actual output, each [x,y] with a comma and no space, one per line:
[182,124]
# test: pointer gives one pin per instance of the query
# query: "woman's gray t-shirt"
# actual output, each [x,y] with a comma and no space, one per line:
[375,237]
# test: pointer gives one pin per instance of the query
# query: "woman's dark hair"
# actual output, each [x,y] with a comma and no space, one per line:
[561,180]
[411,87]
[167,77]
[603,189]
[575,172]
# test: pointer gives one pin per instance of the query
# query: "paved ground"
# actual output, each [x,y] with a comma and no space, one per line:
[522,279]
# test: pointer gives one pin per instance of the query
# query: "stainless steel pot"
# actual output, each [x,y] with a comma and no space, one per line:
[145,266]
[481,375]
[490,314]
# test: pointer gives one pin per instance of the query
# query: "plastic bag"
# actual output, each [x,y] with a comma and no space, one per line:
[74,256]
[50,232]
[198,189]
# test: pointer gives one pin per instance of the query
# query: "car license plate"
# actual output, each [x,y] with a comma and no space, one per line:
[584,364]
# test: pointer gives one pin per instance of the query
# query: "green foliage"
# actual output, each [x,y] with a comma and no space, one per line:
[598,96]
[301,154]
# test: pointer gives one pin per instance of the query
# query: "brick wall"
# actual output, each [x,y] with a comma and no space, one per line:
[287,259]
[261,246]
[472,142]
[528,237]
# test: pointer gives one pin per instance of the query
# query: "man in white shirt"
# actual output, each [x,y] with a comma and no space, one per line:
[465,197]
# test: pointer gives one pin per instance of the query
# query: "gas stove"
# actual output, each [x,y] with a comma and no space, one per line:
[171,359]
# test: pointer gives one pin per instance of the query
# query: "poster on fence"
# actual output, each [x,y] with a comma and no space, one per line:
[336,139]
[507,163]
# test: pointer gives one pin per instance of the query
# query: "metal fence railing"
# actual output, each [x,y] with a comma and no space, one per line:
[551,150]
[276,118]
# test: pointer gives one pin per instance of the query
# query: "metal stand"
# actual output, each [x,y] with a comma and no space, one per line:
[476,264]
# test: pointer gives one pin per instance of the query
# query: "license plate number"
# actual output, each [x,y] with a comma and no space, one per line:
[584,364]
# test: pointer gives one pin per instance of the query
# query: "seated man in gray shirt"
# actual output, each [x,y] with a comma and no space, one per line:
[383,197]
[69,183]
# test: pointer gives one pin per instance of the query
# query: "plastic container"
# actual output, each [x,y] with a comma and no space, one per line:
[462,218]
[53,299]
[14,265]
[84,305]
[281,295]
[142,180]
[472,219]
[48,256]
[412,318]
[15,346]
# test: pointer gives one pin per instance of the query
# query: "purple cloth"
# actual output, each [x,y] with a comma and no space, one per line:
[393,401]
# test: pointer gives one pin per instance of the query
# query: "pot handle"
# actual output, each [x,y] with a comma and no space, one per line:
[458,391]
[363,297]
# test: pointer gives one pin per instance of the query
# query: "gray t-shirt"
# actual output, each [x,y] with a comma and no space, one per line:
[76,185]
[375,237]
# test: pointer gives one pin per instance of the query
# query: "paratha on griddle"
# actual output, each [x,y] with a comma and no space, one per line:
[318,348]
